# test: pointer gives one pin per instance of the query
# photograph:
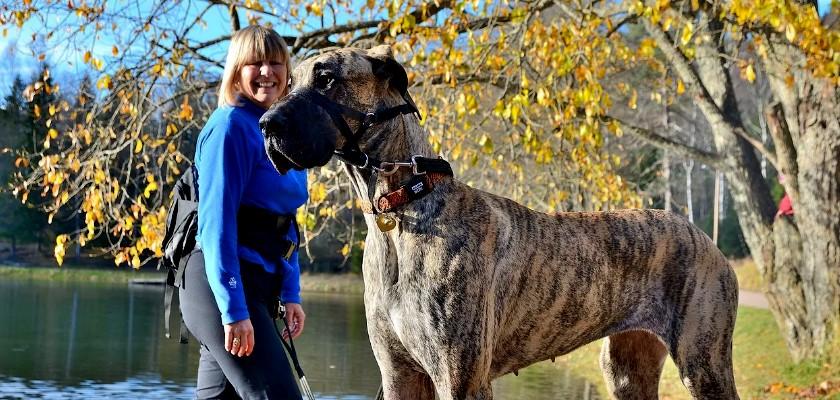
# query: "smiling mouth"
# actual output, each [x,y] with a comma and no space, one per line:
[266,84]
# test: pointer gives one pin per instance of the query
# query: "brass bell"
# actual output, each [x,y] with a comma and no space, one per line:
[385,222]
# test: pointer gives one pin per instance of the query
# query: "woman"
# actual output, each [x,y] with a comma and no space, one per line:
[245,216]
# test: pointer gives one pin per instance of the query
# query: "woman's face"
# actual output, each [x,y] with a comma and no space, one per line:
[263,82]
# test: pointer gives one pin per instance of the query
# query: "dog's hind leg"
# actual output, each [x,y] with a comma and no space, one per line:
[704,360]
[632,362]
[704,356]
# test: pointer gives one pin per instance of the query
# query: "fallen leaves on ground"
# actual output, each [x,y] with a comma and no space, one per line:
[822,390]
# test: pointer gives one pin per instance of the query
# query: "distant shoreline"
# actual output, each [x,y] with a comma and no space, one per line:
[326,283]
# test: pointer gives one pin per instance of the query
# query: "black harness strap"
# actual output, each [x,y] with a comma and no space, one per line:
[437,165]
[350,152]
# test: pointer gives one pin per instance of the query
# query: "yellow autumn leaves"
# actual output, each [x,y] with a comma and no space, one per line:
[96,63]
[799,24]
[522,103]
[130,216]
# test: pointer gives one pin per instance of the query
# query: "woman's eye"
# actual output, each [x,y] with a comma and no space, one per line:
[324,81]
[277,63]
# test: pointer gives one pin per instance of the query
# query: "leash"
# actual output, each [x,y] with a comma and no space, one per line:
[290,348]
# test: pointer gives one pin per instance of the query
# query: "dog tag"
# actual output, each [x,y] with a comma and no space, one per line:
[385,223]
[417,187]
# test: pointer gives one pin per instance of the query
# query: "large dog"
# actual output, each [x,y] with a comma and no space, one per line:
[470,286]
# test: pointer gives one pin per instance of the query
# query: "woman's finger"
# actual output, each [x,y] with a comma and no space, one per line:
[300,318]
[247,343]
[229,338]
[298,329]
[251,343]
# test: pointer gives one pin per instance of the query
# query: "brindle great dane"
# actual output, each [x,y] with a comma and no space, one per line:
[470,286]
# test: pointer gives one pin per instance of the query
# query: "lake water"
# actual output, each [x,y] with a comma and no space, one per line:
[84,340]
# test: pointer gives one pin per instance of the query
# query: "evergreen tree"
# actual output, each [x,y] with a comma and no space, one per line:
[18,222]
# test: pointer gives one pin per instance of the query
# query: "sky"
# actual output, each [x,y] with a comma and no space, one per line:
[16,48]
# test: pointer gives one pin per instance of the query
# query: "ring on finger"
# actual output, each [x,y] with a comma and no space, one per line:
[236,341]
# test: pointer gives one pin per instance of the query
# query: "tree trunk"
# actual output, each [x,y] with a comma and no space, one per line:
[818,213]
[688,166]
[802,271]
[806,133]
[784,290]
[666,176]
[716,209]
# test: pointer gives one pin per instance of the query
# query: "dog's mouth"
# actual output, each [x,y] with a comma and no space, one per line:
[282,162]
[286,156]
[298,134]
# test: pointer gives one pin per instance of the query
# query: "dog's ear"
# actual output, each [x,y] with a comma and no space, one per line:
[386,67]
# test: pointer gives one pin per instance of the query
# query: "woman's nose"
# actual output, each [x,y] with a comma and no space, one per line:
[265,69]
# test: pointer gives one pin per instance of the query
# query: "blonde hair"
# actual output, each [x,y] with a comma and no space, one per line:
[251,44]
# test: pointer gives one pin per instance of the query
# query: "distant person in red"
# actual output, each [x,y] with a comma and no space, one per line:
[785,205]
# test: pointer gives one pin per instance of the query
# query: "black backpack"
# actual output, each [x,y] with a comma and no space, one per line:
[179,239]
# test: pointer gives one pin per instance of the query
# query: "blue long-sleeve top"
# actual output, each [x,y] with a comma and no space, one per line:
[233,169]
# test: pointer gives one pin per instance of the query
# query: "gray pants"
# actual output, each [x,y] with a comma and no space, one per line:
[266,373]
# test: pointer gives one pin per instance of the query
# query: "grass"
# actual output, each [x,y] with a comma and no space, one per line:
[763,367]
[331,283]
[78,274]
[748,276]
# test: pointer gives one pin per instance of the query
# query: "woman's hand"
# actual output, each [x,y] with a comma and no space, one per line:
[239,337]
[294,319]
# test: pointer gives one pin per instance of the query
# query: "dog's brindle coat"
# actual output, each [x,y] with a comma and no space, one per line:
[471,286]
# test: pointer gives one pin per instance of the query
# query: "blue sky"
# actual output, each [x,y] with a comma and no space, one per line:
[66,61]
[16,49]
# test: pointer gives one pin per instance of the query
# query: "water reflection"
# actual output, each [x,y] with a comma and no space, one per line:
[83,340]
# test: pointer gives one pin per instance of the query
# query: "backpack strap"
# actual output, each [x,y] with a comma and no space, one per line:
[167,307]
[174,278]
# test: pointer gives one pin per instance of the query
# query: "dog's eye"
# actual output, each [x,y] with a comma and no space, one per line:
[324,80]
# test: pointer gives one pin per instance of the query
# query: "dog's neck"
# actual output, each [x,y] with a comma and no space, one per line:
[395,140]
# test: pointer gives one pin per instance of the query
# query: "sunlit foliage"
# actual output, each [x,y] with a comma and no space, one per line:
[520,96]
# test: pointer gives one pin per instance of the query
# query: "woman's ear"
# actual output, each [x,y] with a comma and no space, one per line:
[288,88]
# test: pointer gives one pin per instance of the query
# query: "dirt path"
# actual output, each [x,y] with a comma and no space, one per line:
[752,299]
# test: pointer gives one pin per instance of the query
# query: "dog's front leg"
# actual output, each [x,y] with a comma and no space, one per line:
[400,380]
[401,377]
[406,383]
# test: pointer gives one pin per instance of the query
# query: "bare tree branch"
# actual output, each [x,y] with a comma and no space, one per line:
[319,36]
[419,14]
[711,159]
[783,142]
[758,146]
[234,17]
[713,113]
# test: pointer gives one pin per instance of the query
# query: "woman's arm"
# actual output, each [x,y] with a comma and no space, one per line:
[224,168]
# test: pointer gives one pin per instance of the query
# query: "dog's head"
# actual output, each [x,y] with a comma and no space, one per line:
[299,130]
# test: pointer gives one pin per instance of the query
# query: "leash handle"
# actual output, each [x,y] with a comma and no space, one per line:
[290,347]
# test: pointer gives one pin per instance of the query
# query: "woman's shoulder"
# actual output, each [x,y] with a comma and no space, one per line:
[232,116]
[229,119]
[227,123]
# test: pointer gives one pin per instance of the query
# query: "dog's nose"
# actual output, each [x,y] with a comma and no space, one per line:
[271,122]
